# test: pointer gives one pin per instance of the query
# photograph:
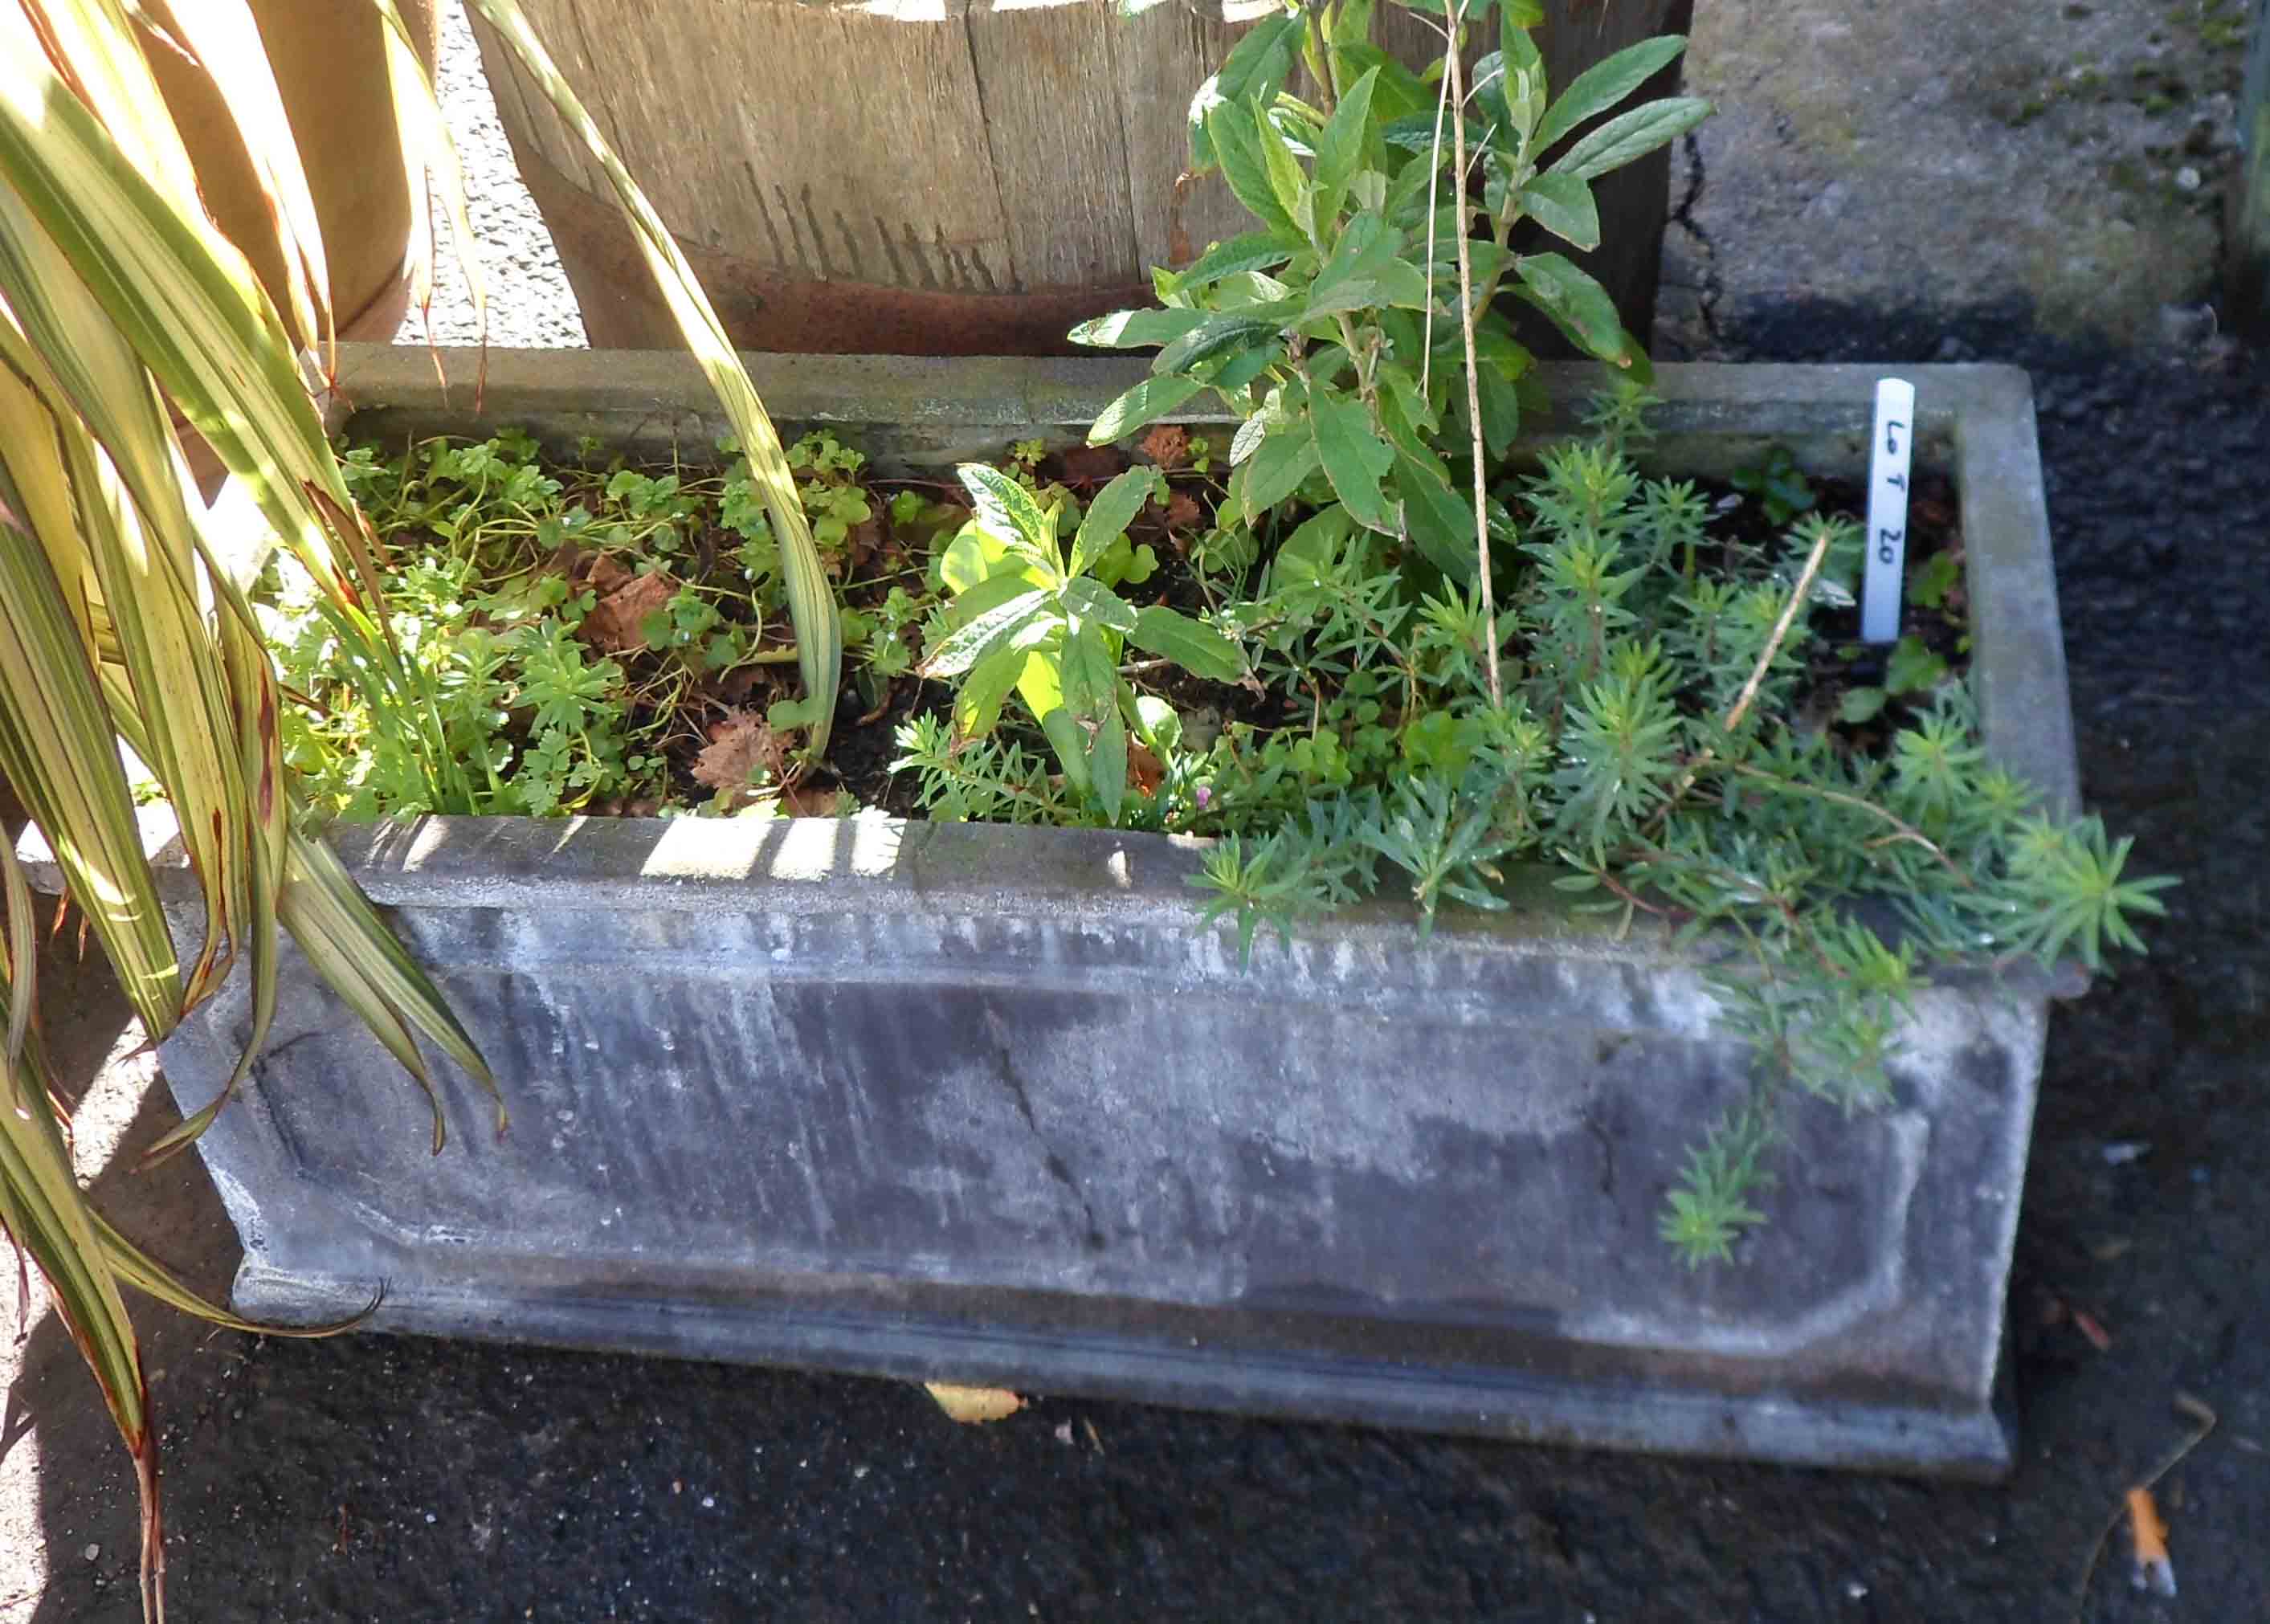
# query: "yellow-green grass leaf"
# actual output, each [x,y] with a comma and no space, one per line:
[350,946]
[811,598]
[259,770]
[34,484]
[94,41]
[163,644]
[137,1268]
[353,948]
[179,290]
[146,616]
[43,1211]
[62,344]
[186,300]
[58,750]
[18,945]
[256,702]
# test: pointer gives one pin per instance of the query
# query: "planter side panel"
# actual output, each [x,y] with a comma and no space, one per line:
[980,1105]
[1059,1122]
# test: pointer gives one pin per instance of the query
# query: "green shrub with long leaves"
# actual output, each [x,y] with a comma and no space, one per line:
[1485,670]
[123,607]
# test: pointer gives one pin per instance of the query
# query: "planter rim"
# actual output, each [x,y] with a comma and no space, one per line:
[666,390]
[1975,420]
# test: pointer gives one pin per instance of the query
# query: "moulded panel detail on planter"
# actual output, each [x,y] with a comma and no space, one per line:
[986,1104]
[1239,1142]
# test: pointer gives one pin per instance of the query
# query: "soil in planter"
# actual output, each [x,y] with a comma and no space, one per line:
[611,639]
[630,639]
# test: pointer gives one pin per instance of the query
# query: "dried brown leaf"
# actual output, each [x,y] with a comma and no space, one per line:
[739,747]
[865,537]
[973,1405]
[613,622]
[804,800]
[1145,771]
[1092,463]
[1167,445]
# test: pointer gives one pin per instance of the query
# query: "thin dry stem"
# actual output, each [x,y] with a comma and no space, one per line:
[1453,73]
[1741,706]
[1434,153]
[1812,562]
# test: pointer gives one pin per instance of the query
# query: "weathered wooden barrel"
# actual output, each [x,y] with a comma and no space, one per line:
[938,176]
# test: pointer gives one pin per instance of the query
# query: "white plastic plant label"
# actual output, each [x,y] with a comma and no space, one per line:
[1888,510]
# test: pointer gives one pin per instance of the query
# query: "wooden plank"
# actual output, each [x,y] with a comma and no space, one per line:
[839,143]
[944,146]
[522,106]
[1048,92]
[1635,201]
[535,135]
[1164,54]
[867,161]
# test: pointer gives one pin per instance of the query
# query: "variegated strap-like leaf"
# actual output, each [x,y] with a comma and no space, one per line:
[56,748]
[433,162]
[137,1268]
[350,946]
[223,37]
[17,946]
[146,611]
[811,597]
[43,1211]
[342,937]
[107,70]
[187,302]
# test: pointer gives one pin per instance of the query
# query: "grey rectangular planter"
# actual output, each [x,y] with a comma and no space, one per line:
[983,1105]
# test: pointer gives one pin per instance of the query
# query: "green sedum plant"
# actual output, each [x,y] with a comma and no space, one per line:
[1472,674]
[1657,751]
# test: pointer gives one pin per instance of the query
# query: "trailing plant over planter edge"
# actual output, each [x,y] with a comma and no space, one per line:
[1506,671]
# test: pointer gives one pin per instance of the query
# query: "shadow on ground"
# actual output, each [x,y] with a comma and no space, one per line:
[371,1478]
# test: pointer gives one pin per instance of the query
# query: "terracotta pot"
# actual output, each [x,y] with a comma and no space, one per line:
[329,61]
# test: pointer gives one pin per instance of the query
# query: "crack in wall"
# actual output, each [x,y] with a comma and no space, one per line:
[1607,1143]
[1005,1062]
[1707,294]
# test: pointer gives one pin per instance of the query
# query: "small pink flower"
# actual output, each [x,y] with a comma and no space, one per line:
[1203,794]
